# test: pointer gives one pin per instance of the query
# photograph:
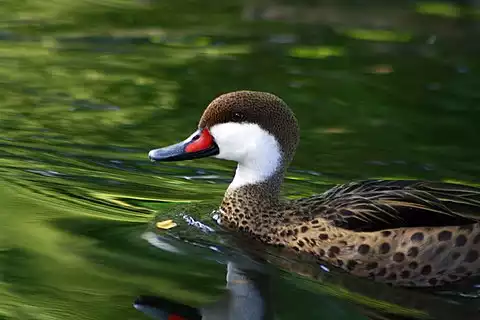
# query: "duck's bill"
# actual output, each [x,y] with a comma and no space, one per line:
[199,145]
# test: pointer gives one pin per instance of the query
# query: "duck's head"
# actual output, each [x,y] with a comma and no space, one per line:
[255,129]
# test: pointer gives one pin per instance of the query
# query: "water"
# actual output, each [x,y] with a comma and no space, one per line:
[87,88]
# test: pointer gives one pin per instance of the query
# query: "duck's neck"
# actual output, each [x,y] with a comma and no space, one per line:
[250,199]
[246,201]
[262,181]
[243,206]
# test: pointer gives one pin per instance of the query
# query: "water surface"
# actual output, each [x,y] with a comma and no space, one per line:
[87,88]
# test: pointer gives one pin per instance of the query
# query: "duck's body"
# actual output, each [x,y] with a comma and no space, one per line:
[407,233]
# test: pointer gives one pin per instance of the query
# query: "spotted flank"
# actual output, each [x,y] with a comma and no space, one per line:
[402,232]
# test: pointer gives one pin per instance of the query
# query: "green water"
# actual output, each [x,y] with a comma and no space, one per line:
[87,88]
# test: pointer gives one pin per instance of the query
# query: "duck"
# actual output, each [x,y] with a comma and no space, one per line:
[409,233]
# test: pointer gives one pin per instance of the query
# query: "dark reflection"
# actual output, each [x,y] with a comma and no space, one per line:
[248,285]
[247,297]
[164,309]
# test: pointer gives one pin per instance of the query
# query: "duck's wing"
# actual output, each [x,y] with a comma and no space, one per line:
[382,204]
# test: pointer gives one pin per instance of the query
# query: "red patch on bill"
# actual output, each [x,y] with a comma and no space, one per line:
[204,142]
[175,317]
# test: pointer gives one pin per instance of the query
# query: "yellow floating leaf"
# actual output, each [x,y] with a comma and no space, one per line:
[166,224]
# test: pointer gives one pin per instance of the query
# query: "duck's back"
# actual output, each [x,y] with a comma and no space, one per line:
[404,232]
[374,205]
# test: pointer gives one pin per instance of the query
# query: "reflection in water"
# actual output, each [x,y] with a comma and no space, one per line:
[164,309]
[247,294]
[244,299]
[87,87]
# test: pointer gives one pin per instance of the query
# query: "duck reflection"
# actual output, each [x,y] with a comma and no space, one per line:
[246,298]
[248,285]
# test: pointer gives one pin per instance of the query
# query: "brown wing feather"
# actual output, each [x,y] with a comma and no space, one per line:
[374,205]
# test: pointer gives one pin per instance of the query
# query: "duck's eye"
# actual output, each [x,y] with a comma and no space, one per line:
[238,116]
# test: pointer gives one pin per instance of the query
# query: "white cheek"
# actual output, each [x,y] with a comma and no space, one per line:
[256,151]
